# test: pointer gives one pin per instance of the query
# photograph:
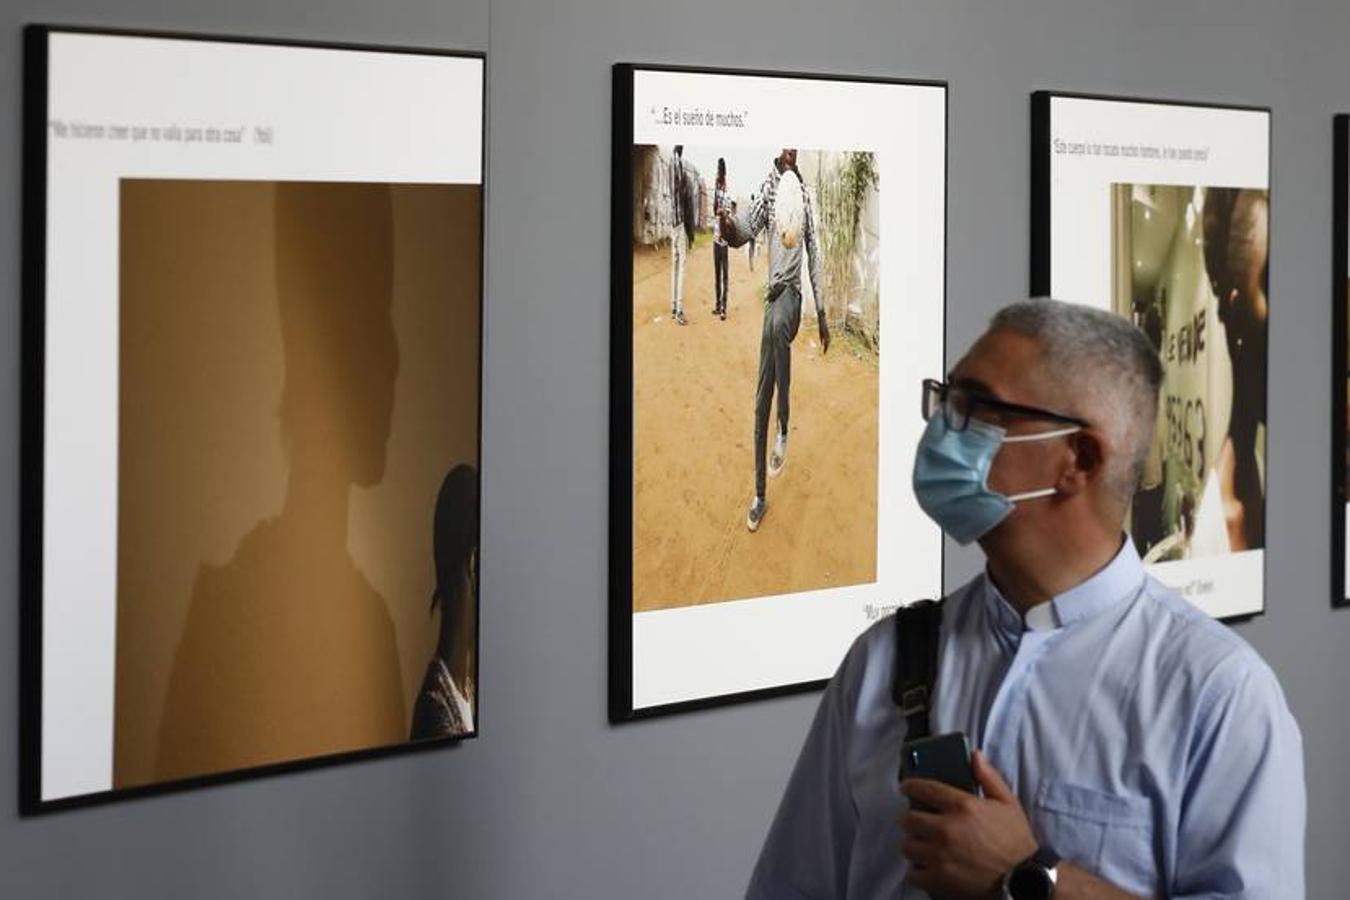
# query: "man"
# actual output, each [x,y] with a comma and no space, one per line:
[1237,235]
[721,201]
[782,311]
[1128,745]
[1200,294]
[679,241]
[445,703]
[751,251]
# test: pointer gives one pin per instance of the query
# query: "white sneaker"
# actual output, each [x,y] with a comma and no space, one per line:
[758,507]
[778,456]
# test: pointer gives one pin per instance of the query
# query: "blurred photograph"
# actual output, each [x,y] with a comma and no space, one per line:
[1190,267]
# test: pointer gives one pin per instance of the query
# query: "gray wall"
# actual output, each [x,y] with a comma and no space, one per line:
[551,801]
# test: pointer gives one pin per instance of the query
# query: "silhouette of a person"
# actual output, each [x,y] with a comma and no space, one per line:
[288,651]
[445,704]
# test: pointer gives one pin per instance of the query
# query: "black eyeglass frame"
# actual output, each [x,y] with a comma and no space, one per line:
[939,390]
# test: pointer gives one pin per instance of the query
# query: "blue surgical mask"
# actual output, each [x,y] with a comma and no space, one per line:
[951,476]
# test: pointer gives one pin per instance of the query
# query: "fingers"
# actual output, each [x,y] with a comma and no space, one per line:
[925,879]
[928,871]
[923,854]
[989,780]
[941,798]
[925,826]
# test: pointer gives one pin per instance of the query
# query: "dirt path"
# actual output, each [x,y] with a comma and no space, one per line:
[694,448]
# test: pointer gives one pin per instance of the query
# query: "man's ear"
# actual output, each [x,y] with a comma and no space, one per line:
[1085,462]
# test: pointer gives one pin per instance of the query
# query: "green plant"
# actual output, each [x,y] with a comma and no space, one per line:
[842,192]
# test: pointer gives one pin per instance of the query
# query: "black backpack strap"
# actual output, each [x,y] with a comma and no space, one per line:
[917,633]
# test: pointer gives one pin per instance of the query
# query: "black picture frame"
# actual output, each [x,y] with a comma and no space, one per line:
[36,38]
[620,594]
[1040,264]
[1340,321]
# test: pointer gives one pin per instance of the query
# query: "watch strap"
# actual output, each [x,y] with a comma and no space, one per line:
[1045,857]
[1043,862]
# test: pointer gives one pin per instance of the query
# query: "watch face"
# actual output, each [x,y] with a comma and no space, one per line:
[1030,882]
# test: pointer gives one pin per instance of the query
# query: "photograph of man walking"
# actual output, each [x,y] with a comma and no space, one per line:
[851,207]
[704,394]
[721,203]
[679,240]
[783,211]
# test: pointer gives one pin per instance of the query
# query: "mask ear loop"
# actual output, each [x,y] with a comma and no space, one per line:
[1032,495]
[1040,436]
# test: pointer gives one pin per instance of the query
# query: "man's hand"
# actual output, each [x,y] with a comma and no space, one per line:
[964,849]
[824,330]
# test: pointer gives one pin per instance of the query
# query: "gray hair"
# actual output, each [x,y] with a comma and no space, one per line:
[1108,371]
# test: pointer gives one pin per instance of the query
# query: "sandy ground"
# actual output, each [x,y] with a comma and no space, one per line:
[694,447]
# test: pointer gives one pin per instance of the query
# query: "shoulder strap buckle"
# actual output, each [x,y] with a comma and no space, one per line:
[914,700]
[918,628]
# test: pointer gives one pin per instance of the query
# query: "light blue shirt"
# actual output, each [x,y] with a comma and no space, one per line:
[1148,744]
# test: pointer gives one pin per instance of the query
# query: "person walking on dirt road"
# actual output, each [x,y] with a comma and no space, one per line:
[783,211]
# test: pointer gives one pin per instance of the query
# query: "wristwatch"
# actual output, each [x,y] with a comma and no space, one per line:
[1034,878]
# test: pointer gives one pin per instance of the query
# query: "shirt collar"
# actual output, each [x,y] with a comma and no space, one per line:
[1002,617]
[1117,580]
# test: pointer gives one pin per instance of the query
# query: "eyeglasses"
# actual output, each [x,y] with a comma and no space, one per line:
[958,405]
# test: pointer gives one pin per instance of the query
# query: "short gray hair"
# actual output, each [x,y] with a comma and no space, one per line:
[1108,372]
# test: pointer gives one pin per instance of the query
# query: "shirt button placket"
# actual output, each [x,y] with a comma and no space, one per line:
[1009,707]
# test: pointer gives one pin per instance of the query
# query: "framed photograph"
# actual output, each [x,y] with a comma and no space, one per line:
[251,403]
[1340,360]
[779,283]
[1159,211]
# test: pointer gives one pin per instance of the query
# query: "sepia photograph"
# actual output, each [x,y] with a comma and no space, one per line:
[298,455]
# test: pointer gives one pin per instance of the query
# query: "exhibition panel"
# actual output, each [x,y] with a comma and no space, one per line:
[252,341]
[778,246]
[1340,359]
[1159,211]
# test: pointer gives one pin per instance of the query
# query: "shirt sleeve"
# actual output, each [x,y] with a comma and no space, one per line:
[744,226]
[1244,812]
[806,855]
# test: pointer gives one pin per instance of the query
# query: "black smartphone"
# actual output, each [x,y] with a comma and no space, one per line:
[942,757]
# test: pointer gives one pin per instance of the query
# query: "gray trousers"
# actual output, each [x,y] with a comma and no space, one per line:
[782,318]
